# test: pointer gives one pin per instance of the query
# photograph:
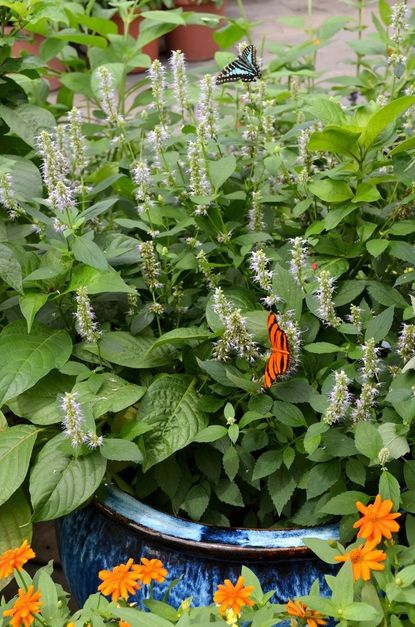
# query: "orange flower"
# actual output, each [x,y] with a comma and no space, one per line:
[313,618]
[364,559]
[233,597]
[377,521]
[123,623]
[119,582]
[26,605]
[15,558]
[150,570]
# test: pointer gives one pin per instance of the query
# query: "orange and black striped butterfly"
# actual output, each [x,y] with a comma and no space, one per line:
[279,359]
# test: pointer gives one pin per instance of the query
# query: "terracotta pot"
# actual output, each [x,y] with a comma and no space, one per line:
[32,46]
[152,49]
[195,41]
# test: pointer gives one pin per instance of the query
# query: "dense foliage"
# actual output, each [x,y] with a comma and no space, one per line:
[143,242]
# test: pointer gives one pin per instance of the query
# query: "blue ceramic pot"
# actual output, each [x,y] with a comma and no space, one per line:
[111,530]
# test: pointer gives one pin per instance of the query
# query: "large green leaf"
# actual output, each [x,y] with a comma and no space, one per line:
[10,270]
[29,356]
[182,336]
[26,178]
[382,118]
[16,445]
[170,406]
[15,525]
[337,139]
[221,170]
[330,191]
[281,485]
[27,121]
[59,483]
[30,303]
[285,286]
[86,251]
[379,326]
[124,349]
[98,281]
[39,403]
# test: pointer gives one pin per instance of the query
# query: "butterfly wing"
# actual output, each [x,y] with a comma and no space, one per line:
[279,359]
[243,68]
[249,56]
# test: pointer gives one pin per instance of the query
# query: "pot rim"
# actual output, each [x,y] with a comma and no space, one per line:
[237,542]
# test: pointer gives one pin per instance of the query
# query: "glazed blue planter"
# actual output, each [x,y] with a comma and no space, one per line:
[117,527]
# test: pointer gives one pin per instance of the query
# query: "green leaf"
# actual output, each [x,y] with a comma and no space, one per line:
[285,286]
[86,251]
[330,191]
[386,295]
[396,444]
[16,445]
[322,477]
[322,549]
[288,414]
[228,492]
[137,618]
[344,503]
[281,485]
[121,450]
[366,192]
[211,434]
[361,612]
[81,38]
[27,120]
[322,348]
[30,357]
[124,349]
[335,216]
[221,170]
[267,463]
[30,303]
[97,281]
[38,404]
[348,291]
[230,462]
[379,326]
[10,270]
[15,525]
[336,139]
[368,440]
[182,336]
[378,121]
[405,146]
[196,502]
[51,611]
[27,181]
[389,488]
[402,250]
[385,11]
[170,406]
[342,586]
[72,482]
[376,247]
[252,580]
[171,17]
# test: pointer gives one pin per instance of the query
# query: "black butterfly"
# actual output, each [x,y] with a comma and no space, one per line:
[245,68]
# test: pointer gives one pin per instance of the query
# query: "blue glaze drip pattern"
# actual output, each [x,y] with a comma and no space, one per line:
[91,540]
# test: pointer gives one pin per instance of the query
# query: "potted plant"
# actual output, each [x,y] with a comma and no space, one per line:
[195,39]
[217,318]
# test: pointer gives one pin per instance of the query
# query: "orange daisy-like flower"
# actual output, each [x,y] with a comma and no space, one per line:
[150,570]
[123,623]
[233,597]
[300,610]
[119,582]
[26,606]
[364,559]
[378,521]
[15,558]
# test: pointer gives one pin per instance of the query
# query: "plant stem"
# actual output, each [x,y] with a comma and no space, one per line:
[360,32]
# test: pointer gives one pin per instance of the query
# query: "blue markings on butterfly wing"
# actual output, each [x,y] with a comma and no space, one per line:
[244,68]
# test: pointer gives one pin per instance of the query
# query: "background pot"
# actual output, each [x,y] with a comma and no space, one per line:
[152,49]
[111,530]
[195,41]
[32,46]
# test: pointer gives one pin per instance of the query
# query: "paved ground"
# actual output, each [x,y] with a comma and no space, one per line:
[331,59]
